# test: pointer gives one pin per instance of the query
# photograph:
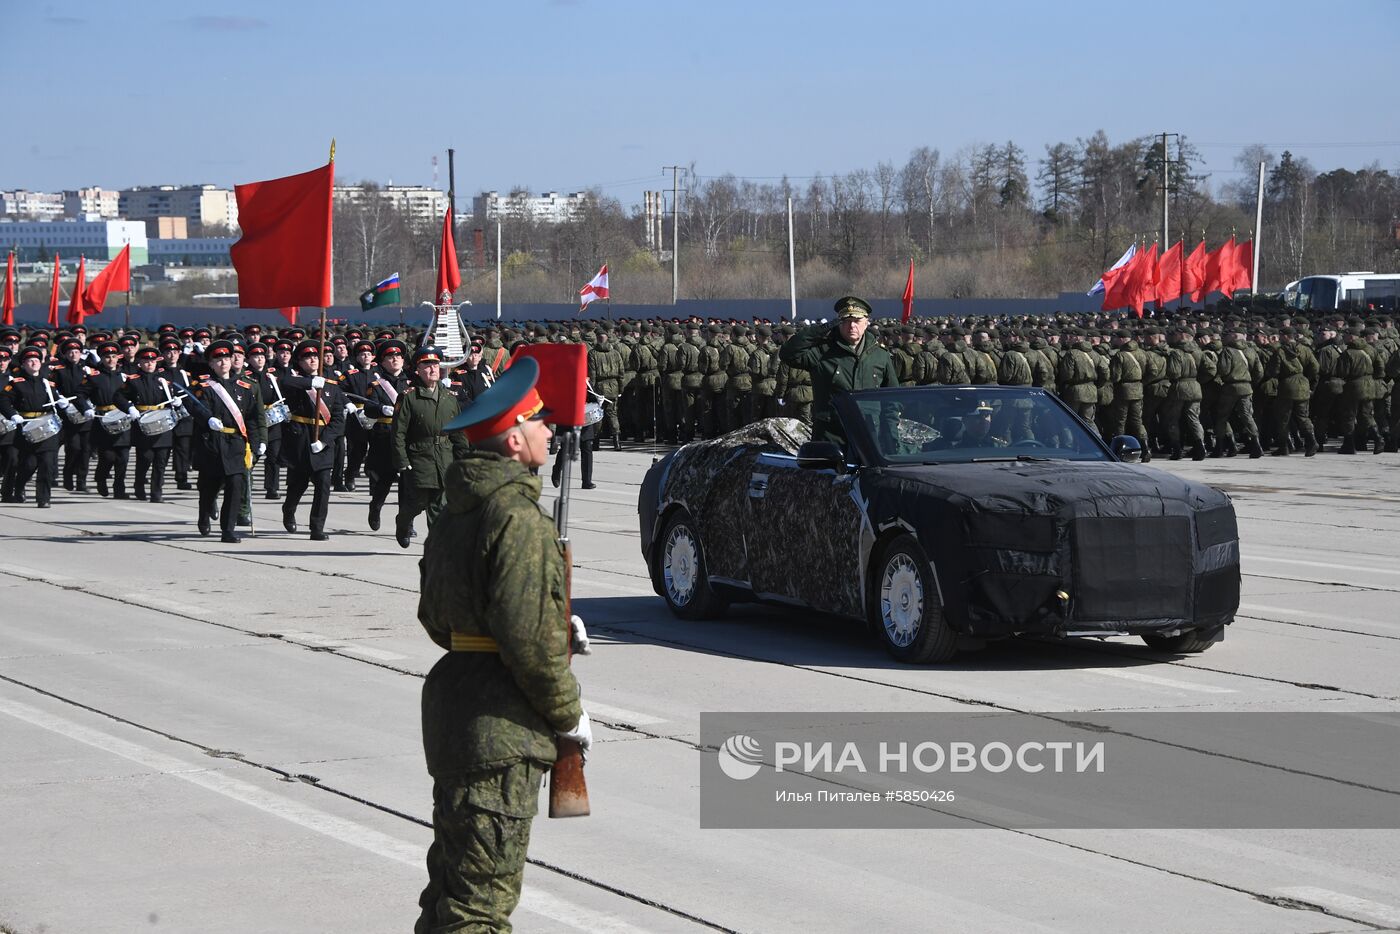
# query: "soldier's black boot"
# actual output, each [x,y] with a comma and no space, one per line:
[374,510]
[1309,446]
[1146,453]
[1280,451]
[1348,445]
[403,533]
[1218,450]
[1198,451]
[1377,442]
[318,532]
[1392,444]
[1174,453]
[289,521]
[1256,450]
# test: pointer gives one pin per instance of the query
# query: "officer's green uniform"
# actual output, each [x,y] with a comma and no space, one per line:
[836,366]
[493,593]
[423,451]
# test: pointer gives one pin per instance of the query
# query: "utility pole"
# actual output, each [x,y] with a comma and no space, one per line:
[675,231]
[1258,231]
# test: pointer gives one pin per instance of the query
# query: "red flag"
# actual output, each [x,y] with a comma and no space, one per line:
[76,309]
[115,278]
[290,314]
[1220,269]
[1243,277]
[908,296]
[1116,283]
[284,255]
[563,379]
[53,295]
[1143,278]
[7,305]
[449,277]
[1194,273]
[1169,274]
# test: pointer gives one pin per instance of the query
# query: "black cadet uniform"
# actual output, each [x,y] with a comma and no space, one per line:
[28,397]
[181,383]
[223,447]
[149,392]
[102,389]
[309,442]
[384,392]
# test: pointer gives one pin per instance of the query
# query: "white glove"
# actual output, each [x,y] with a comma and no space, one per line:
[178,402]
[365,421]
[17,418]
[215,425]
[64,404]
[782,402]
[351,408]
[262,449]
[317,447]
[581,734]
[388,411]
[91,411]
[189,347]
[318,382]
[133,413]
[581,644]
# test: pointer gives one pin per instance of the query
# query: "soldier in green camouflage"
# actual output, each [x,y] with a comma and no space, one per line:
[738,385]
[421,452]
[493,596]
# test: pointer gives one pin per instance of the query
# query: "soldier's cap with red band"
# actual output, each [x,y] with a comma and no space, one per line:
[510,401]
[308,349]
[33,353]
[148,353]
[427,355]
[219,349]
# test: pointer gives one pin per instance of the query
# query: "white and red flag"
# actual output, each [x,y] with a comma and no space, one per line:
[596,288]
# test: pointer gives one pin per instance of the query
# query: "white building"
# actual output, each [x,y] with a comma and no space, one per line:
[92,203]
[191,251]
[549,208]
[98,240]
[39,205]
[421,205]
[204,205]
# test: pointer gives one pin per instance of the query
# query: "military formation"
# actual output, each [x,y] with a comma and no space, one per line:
[322,413]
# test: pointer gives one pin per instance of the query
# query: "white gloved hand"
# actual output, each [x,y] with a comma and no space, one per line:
[318,382]
[215,425]
[189,347]
[17,418]
[178,402]
[64,404]
[388,411]
[90,411]
[351,408]
[581,645]
[581,734]
[262,449]
[133,413]
[365,421]
[317,447]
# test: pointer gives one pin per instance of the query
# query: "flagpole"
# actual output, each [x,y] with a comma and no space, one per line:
[1258,231]
[498,269]
[128,306]
[792,270]
[332,270]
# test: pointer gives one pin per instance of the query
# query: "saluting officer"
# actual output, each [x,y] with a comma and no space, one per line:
[227,440]
[317,421]
[841,358]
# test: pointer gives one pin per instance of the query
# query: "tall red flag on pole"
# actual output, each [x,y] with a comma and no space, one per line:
[908,296]
[1220,269]
[1143,279]
[1242,271]
[449,278]
[116,277]
[1194,273]
[1169,275]
[290,314]
[53,295]
[284,255]
[7,305]
[76,309]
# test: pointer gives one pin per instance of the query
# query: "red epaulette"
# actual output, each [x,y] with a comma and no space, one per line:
[202,378]
[93,372]
[245,385]
[16,379]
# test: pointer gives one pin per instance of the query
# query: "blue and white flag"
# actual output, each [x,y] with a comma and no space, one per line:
[1122,261]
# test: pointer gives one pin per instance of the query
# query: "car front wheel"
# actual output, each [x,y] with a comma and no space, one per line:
[905,608]
[681,571]
[1186,643]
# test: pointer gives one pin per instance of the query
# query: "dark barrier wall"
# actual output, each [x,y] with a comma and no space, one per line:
[149,317]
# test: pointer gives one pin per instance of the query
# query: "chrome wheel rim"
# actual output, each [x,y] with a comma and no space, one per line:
[681,565]
[901,600]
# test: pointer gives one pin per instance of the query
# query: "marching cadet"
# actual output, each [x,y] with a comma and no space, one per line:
[422,453]
[68,377]
[145,392]
[317,407]
[377,417]
[9,452]
[231,434]
[181,382]
[493,593]
[268,382]
[357,382]
[1183,402]
[1237,368]
[102,389]
[31,396]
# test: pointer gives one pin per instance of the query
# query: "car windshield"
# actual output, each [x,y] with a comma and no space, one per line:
[960,424]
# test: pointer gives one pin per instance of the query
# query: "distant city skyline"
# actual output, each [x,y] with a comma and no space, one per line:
[568,95]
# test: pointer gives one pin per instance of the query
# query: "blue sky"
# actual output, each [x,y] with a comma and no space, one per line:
[566,94]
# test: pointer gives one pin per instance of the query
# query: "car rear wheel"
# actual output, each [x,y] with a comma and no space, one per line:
[681,571]
[1185,643]
[905,609]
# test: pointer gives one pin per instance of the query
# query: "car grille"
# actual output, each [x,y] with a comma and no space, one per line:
[1129,568]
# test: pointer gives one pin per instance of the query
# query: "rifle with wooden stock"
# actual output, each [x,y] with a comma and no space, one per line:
[568,791]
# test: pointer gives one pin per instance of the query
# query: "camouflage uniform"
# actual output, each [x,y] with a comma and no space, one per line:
[738,386]
[1077,378]
[493,594]
[1183,402]
[422,453]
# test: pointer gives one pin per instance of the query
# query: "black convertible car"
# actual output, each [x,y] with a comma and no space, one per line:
[952,515]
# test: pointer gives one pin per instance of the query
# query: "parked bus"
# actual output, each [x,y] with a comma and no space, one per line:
[1362,290]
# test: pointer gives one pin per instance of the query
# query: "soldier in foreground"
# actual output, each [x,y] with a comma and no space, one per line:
[493,587]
